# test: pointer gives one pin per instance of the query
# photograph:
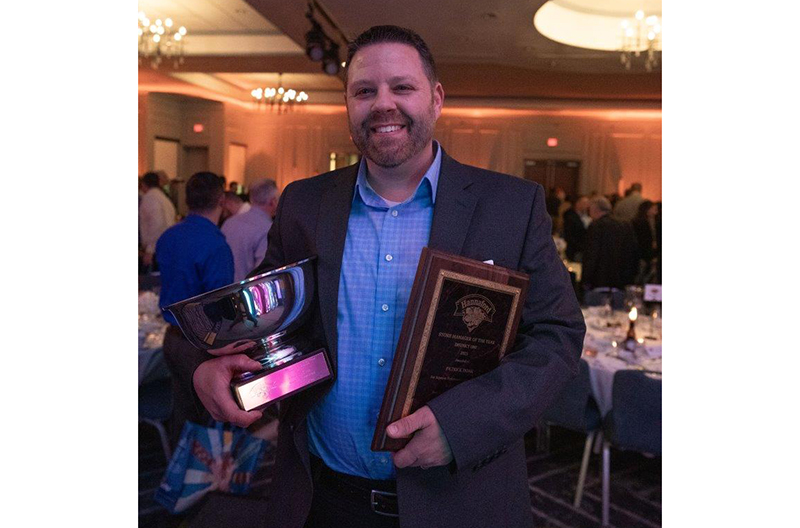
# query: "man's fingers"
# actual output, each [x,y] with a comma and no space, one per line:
[242,363]
[405,457]
[405,427]
[212,384]
[233,348]
[232,413]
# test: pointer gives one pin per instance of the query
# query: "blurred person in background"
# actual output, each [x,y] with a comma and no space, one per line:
[644,225]
[194,258]
[575,225]
[233,205]
[626,208]
[611,255]
[246,232]
[235,188]
[156,214]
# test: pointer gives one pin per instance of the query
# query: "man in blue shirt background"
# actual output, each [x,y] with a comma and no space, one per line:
[193,258]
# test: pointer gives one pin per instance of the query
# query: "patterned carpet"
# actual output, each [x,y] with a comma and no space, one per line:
[635,485]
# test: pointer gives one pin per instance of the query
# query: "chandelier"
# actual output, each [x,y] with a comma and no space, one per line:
[159,40]
[279,99]
[641,35]
[630,29]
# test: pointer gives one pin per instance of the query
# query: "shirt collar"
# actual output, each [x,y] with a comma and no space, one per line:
[198,219]
[370,197]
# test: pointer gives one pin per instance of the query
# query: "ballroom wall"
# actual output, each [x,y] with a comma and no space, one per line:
[615,147]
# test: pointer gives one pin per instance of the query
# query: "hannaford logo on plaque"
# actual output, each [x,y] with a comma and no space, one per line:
[474,309]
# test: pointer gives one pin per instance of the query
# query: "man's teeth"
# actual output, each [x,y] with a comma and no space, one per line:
[385,129]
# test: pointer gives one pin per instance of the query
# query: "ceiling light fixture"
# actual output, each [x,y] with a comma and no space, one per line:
[641,33]
[315,41]
[159,39]
[330,63]
[319,46]
[280,99]
[631,28]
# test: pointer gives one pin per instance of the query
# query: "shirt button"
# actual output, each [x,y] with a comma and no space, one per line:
[385,307]
[389,258]
[394,213]
[381,362]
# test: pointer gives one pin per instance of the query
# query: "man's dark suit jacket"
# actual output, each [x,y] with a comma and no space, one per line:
[611,256]
[481,215]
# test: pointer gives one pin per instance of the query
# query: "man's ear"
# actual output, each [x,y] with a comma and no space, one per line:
[438,99]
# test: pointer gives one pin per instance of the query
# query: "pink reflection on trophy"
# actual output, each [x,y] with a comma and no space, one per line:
[284,381]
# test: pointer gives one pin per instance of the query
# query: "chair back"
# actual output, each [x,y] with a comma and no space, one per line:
[575,407]
[149,282]
[634,421]
[599,297]
[155,400]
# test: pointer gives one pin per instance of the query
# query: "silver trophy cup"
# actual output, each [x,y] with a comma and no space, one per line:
[269,309]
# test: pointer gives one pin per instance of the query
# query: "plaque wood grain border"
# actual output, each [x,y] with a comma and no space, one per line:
[434,268]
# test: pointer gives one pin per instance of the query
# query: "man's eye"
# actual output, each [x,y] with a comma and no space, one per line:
[403,88]
[363,91]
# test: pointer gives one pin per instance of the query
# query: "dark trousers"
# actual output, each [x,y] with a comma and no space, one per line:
[342,501]
[176,349]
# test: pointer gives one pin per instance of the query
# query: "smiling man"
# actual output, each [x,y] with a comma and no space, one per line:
[465,463]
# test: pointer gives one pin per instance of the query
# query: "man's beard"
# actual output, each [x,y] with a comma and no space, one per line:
[389,152]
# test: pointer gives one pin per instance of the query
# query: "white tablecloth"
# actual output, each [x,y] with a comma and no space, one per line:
[151,338]
[602,331]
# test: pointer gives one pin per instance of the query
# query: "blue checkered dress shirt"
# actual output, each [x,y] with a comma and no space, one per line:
[381,253]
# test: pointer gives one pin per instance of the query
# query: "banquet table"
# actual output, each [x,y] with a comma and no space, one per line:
[604,352]
[151,339]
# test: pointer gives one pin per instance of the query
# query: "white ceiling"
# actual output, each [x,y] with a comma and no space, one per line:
[209,16]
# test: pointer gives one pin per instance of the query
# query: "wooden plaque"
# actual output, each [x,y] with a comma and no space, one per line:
[461,319]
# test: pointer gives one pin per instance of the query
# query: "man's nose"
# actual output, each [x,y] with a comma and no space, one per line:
[384,100]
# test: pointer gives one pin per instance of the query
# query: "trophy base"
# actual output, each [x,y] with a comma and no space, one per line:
[254,390]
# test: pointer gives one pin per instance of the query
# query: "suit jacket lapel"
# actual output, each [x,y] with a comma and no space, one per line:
[454,206]
[334,213]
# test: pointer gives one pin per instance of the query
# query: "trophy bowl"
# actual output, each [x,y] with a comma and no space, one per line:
[270,309]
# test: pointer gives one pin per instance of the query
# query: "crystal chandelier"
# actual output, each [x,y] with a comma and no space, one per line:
[641,35]
[159,40]
[279,99]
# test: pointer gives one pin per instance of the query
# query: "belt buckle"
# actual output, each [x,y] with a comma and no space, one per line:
[373,499]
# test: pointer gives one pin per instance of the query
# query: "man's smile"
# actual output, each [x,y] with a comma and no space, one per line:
[386,129]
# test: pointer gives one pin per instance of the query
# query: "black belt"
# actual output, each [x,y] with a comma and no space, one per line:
[381,495]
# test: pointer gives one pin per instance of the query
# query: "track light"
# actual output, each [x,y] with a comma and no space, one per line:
[315,42]
[330,63]
[319,46]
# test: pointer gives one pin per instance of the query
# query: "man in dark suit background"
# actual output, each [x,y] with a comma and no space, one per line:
[575,228]
[465,464]
[611,256]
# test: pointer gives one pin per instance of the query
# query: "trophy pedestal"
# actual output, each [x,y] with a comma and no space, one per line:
[254,390]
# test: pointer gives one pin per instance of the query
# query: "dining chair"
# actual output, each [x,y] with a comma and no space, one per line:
[634,422]
[576,410]
[155,408]
[150,281]
[599,296]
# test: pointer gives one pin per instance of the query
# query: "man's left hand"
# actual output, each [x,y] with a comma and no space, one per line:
[428,447]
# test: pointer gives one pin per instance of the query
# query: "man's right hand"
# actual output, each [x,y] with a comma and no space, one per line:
[212,381]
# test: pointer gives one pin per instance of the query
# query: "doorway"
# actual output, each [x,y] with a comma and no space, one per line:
[554,173]
[194,159]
